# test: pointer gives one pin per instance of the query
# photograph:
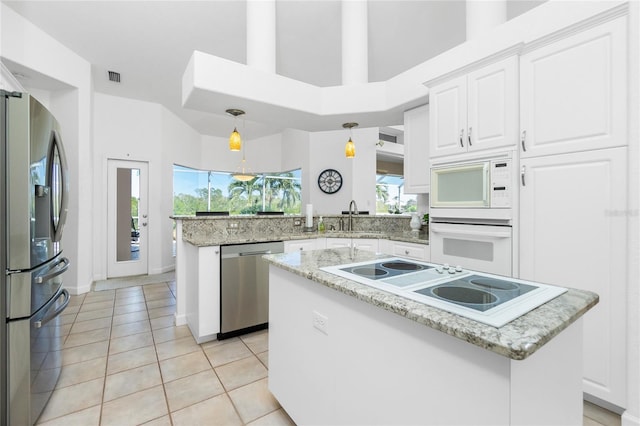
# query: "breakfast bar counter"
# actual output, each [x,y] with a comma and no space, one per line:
[342,352]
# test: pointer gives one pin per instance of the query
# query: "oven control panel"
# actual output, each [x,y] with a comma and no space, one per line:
[501,181]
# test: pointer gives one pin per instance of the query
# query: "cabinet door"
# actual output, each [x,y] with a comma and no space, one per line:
[492,113]
[299,245]
[573,92]
[448,117]
[414,251]
[573,234]
[369,244]
[416,150]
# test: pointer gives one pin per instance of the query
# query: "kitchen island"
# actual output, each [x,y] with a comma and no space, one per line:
[341,352]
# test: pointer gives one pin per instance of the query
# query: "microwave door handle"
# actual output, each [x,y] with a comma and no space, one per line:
[486,185]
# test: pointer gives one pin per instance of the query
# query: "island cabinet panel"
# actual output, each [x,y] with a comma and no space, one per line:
[416,150]
[573,92]
[474,112]
[366,365]
[202,291]
[573,233]
[369,244]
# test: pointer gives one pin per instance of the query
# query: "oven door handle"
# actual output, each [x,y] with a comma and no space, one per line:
[437,229]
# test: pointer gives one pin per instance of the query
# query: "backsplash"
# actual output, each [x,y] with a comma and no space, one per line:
[223,227]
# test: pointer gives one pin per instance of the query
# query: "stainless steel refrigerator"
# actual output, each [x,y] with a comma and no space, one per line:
[33,207]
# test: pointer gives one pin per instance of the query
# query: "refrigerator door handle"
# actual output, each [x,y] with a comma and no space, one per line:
[60,268]
[45,319]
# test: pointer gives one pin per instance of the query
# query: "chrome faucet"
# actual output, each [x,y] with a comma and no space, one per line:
[352,206]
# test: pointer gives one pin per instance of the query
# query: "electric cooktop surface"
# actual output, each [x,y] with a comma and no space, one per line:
[486,298]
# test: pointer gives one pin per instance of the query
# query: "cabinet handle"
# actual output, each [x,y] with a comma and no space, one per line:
[522,171]
[461,136]
[301,248]
[522,139]
[469,136]
[406,252]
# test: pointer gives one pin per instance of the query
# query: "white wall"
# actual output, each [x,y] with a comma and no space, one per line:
[358,174]
[127,129]
[69,96]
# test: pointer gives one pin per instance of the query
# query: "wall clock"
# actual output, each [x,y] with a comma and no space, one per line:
[330,181]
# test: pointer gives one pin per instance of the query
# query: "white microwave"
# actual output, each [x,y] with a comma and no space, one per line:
[473,184]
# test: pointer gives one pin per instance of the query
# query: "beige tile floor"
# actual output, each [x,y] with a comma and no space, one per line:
[125,363]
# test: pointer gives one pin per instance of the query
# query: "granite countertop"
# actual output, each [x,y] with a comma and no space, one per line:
[517,339]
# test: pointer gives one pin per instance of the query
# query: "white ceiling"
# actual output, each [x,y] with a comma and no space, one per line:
[150,42]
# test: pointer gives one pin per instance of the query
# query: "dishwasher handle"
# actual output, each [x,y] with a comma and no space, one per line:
[254,253]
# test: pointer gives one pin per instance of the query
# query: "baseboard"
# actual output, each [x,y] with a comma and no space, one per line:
[180,319]
[162,270]
[75,291]
[629,420]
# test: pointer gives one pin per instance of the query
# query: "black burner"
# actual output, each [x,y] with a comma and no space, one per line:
[464,295]
[403,266]
[369,271]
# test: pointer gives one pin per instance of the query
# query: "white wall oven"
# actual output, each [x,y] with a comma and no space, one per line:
[471,214]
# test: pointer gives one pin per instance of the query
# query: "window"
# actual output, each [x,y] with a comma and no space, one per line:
[390,196]
[202,190]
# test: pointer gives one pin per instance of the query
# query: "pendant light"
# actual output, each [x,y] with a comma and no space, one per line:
[243,174]
[350,147]
[235,142]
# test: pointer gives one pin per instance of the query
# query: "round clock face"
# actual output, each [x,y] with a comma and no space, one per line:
[330,181]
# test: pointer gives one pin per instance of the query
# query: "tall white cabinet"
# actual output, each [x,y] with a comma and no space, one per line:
[476,111]
[416,150]
[573,174]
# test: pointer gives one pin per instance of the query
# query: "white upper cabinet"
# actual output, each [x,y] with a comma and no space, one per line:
[416,150]
[476,111]
[572,92]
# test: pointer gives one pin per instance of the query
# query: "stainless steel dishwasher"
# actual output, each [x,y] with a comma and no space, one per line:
[244,289]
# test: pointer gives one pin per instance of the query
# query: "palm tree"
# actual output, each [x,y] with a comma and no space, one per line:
[290,191]
[240,191]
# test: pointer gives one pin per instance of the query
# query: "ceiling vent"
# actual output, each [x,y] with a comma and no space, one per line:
[114,76]
[388,138]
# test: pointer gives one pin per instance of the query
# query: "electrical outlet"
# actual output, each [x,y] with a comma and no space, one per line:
[297,222]
[321,322]
[233,225]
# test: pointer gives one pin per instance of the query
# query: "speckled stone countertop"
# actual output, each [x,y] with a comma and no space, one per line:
[212,231]
[517,339]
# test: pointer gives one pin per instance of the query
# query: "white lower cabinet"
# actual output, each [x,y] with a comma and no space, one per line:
[573,213]
[369,244]
[300,245]
[410,250]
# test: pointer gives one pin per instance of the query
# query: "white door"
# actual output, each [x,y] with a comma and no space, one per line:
[573,234]
[127,218]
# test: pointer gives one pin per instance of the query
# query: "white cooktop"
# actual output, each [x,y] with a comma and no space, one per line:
[490,299]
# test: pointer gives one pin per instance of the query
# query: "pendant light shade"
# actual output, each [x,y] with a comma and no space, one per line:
[350,147]
[235,141]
